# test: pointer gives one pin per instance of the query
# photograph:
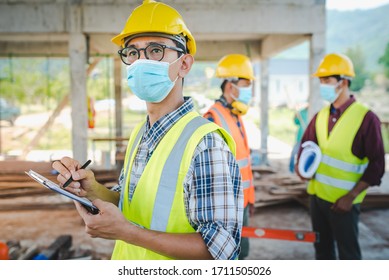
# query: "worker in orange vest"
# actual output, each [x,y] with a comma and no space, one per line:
[237,72]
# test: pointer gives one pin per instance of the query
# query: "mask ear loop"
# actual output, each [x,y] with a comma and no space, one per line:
[337,85]
[233,95]
[173,63]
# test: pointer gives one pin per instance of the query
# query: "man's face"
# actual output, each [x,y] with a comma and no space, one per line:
[242,83]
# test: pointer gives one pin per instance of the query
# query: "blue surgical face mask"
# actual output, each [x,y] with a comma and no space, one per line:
[149,79]
[328,92]
[245,94]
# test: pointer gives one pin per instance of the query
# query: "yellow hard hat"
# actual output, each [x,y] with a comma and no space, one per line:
[156,19]
[335,64]
[235,66]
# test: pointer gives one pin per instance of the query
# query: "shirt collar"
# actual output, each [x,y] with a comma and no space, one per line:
[343,108]
[155,133]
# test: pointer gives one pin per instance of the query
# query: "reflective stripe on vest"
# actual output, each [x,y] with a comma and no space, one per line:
[345,166]
[222,120]
[341,184]
[339,169]
[244,162]
[245,184]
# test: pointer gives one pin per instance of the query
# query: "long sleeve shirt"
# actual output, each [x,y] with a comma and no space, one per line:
[367,142]
[213,196]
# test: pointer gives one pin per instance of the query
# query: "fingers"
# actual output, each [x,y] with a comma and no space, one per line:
[66,164]
[64,167]
[70,168]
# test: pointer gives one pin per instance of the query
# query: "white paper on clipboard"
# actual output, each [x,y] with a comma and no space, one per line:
[54,187]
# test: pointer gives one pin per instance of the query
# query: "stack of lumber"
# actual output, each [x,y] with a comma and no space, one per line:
[275,187]
[19,192]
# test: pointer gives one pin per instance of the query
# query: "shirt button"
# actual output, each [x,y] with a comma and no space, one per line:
[333,119]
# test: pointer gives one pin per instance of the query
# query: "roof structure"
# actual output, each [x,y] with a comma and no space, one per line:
[80,29]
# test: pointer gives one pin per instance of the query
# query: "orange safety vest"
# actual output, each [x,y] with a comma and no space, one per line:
[223,117]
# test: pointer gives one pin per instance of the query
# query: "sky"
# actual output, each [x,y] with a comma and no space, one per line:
[344,5]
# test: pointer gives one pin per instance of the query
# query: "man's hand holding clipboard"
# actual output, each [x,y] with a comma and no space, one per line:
[54,187]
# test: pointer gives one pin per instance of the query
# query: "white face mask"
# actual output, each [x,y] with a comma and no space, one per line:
[245,94]
[149,79]
[329,93]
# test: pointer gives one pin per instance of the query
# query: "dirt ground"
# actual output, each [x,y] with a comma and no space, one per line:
[43,227]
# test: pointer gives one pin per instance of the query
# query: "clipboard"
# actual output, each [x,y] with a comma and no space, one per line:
[54,187]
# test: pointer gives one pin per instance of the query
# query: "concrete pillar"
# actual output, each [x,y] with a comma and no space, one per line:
[78,94]
[117,72]
[264,119]
[317,52]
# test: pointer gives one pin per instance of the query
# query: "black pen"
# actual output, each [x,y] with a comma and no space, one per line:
[71,178]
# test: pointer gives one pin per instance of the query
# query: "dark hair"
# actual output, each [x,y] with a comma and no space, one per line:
[223,85]
[179,45]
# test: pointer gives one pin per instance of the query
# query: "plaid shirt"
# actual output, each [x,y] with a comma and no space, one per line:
[215,210]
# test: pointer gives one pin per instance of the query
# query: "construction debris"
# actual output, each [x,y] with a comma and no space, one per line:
[60,249]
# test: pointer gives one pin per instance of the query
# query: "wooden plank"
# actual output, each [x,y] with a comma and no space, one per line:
[24,192]
[19,166]
[37,206]
[263,169]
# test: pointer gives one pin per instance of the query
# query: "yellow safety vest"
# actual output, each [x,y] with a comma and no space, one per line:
[339,170]
[158,200]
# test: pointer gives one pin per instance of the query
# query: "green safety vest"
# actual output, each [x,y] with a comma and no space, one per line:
[158,200]
[339,170]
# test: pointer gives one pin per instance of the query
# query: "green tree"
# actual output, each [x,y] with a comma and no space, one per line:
[357,56]
[384,60]
[34,81]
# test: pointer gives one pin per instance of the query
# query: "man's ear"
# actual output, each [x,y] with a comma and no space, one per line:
[344,83]
[229,87]
[186,65]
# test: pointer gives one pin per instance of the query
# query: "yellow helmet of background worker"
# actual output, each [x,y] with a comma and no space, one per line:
[153,17]
[335,64]
[235,66]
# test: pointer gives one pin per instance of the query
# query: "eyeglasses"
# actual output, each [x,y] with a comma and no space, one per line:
[153,51]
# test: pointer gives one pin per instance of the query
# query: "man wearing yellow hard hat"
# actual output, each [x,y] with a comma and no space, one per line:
[179,194]
[236,71]
[352,159]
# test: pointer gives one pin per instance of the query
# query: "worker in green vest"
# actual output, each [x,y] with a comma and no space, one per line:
[179,194]
[352,159]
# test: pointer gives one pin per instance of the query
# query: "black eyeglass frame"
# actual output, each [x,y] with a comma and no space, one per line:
[123,57]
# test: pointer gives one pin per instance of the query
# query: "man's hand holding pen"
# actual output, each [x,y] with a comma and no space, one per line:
[82,182]
[74,177]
